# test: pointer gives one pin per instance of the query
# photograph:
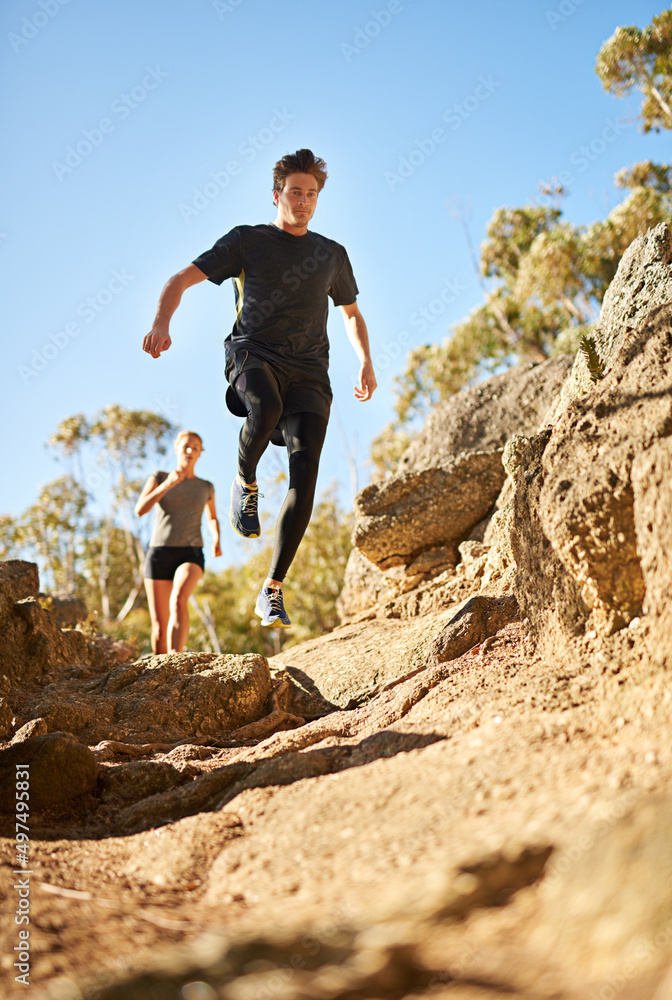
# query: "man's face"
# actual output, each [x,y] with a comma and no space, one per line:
[297,200]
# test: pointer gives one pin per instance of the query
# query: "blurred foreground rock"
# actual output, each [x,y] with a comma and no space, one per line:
[60,769]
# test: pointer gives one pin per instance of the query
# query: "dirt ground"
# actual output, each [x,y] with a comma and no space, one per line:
[364,822]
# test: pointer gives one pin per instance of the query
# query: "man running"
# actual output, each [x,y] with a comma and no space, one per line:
[277,354]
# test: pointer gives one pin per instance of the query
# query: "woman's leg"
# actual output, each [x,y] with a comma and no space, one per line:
[186,577]
[158,599]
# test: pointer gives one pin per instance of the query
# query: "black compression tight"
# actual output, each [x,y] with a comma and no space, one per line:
[258,391]
[304,437]
[303,434]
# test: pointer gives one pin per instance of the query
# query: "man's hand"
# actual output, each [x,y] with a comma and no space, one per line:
[357,335]
[156,341]
[367,382]
[216,549]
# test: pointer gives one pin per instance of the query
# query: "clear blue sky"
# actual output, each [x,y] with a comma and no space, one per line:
[176,111]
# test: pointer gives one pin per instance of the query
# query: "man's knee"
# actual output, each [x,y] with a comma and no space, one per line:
[266,419]
[303,468]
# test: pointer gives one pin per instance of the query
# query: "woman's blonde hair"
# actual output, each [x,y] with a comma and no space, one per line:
[183,434]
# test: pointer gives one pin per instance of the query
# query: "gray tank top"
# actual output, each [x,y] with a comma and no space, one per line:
[179,512]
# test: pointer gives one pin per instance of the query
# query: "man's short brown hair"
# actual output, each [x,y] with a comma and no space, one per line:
[301,162]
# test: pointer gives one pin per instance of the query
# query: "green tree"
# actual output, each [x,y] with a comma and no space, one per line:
[120,442]
[53,530]
[548,278]
[543,279]
[641,59]
[8,537]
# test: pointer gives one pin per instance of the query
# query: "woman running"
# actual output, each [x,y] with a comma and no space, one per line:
[175,562]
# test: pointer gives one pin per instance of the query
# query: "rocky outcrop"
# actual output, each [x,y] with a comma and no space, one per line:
[161,698]
[408,529]
[586,501]
[33,646]
[567,535]
[641,284]
[464,791]
[399,520]
[652,489]
[483,417]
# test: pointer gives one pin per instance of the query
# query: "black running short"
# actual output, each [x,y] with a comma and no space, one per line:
[162,561]
[300,392]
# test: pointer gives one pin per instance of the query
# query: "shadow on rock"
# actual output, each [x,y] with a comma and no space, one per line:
[164,794]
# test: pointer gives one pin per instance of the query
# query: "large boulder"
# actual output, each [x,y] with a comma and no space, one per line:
[652,490]
[586,503]
[397,521]
[588,530]
[643,282]
[409,527]
[161,698]
[483,417]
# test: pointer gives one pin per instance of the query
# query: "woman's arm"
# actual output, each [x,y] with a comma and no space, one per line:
[213,525]
[151,491]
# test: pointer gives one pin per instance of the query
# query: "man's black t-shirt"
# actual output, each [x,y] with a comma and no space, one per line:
[281,285]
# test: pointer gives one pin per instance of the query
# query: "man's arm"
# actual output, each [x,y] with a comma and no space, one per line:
[357,335]
[158,338]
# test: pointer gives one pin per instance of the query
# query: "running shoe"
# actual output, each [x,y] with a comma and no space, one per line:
[270,608]
[243,515]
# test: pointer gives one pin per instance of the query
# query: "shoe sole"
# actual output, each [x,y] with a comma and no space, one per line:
[239,531]
[273,622]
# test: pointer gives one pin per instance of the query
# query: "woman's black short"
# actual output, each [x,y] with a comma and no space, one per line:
[162,560]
